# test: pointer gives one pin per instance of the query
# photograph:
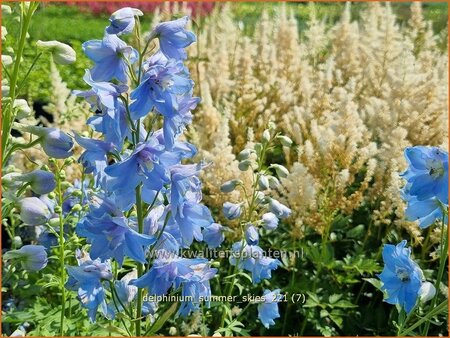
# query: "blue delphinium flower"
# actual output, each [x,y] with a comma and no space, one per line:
[168,271]
[196,286]
[252,258]
[110,235]
[251,235]
[33,211]
[213,235]
[173,38]
[278,209]
[175,124]
[427,173]
[426,212]
[125,292]
[268,309]
[40,181]
[142,166]
[163,80]
[32,257]
[401,276]
[232,210]
[95,158]
[122,21]
[102,96]
[54,142]
[86,279]
[269,221]
[190,221]
[111,56]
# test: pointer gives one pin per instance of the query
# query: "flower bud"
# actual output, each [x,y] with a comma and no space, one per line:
[213,235]
[11,181]
[263,182]
[69,161]
[22,108]
[122,21]
[244,165]
[51,195]
[269,221]
[54,222]
[229,186]
[7,60]
[56,144]
[32,257]
[273,182]
[6,10]
[5,91]
[4,33]
[251,235]
[62,175]
[285,141]
[427,292]
[232,210]
[266,136]
[33,211]
[245,154]
[17,241]
[41,181]
[77,207]
[280,170]
[58,209]
[260,197]
[280,210]
[258,148]
[62,54]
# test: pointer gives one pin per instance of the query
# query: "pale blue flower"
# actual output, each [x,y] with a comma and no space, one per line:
[232,210]
[95,158]
[110,234]
[252,258]
[173,38]
[213,235]
[269,221]
[40,181]
[251,235]
[31,257]
[427,212]
[278,209]
[195,287]
[268,309]
[427,173]
[34,211]
[87,279]
[123,20]
[110,56]
[401,276]
[163,80]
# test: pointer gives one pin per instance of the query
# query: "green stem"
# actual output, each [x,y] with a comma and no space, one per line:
[438,309]
[140,268]
[442,260]
[8,118]
[61,252]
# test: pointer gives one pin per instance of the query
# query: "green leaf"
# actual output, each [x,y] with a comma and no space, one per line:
[164,318]
[356,232]
[345,304]
[375,282]
[334,298]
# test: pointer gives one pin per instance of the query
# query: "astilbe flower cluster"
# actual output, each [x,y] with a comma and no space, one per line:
[144,203]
